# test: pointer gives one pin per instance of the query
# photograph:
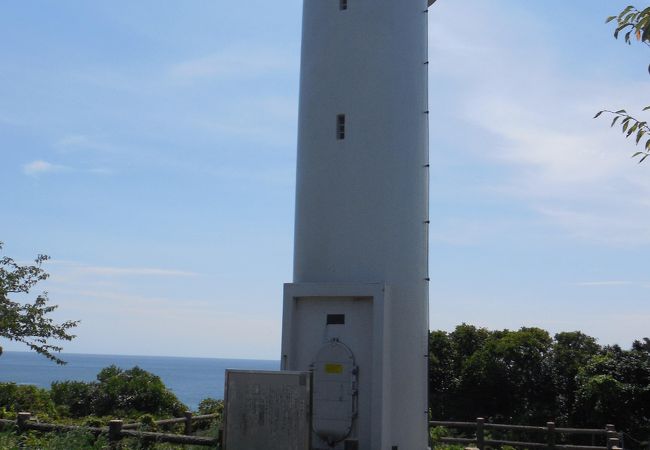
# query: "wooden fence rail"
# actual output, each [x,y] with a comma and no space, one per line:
[117,430]
[551,432]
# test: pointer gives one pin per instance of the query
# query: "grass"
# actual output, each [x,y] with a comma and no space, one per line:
[80,440]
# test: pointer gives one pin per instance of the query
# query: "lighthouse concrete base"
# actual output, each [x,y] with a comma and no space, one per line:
[339,331]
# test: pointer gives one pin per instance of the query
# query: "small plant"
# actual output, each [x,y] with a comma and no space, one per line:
[435,433]
[148,423]
[211,406]
[94,422]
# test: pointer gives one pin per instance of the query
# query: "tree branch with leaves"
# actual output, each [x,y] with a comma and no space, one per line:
[632,24]
[632,127]
[30,323]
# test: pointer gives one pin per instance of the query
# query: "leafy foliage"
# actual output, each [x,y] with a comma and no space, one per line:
[632,127]
[527,377]
[571,352]
[15,398]
[116,393]
[127,394]
[133,390]
[211,406]
[632,24]
[74,398]
[615,386]
[29,323]
[74,440]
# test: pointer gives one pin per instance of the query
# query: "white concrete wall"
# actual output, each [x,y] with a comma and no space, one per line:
[361,202]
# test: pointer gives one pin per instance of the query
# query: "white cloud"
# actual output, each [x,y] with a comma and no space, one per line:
[81,269]
[159,320]
[7,119]
[536,118]
[238,61]
[608,223]
[274,121]
[101,171]
[140,303]
[469,231]
[74,142]
[136,271]
[605,283]
[40,167]
[282,176]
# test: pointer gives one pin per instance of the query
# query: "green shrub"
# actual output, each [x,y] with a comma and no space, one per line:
[435,433]
[119,393]
[94,422]
[148,422]
[73,440]
[74,398]
[133,391]
[211,406]
[448,447]
[116,393]
[16,398]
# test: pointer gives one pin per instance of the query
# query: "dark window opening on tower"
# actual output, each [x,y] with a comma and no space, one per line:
[336,319]
[343,5]
[340,127]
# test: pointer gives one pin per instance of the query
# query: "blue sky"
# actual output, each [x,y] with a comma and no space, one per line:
[149,147]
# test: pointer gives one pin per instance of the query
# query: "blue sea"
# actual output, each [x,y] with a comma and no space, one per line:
[191,379]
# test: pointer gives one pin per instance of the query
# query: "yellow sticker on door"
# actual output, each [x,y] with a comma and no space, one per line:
[334,368]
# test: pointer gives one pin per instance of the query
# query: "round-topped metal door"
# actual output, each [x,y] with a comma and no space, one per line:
[334,392]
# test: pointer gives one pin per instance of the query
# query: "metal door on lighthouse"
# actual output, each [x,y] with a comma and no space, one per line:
[335,396]
[338,351]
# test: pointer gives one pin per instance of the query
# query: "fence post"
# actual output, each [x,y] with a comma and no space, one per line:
[550,435]
[188,423]
[611,436]
[114,433]
[21,421]
[480,433]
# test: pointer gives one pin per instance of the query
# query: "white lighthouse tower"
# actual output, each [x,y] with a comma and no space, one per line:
[356,314]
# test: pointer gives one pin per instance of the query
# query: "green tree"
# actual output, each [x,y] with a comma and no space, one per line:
[601,394]
[525,376]
[502,375]
[125,392]
[29,323]
[443,377]
[509,377]
[632,24]
[571,351]
[614,387]
[117,392]
[448,354]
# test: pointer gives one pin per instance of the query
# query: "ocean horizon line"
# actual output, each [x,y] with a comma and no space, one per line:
[63,354]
